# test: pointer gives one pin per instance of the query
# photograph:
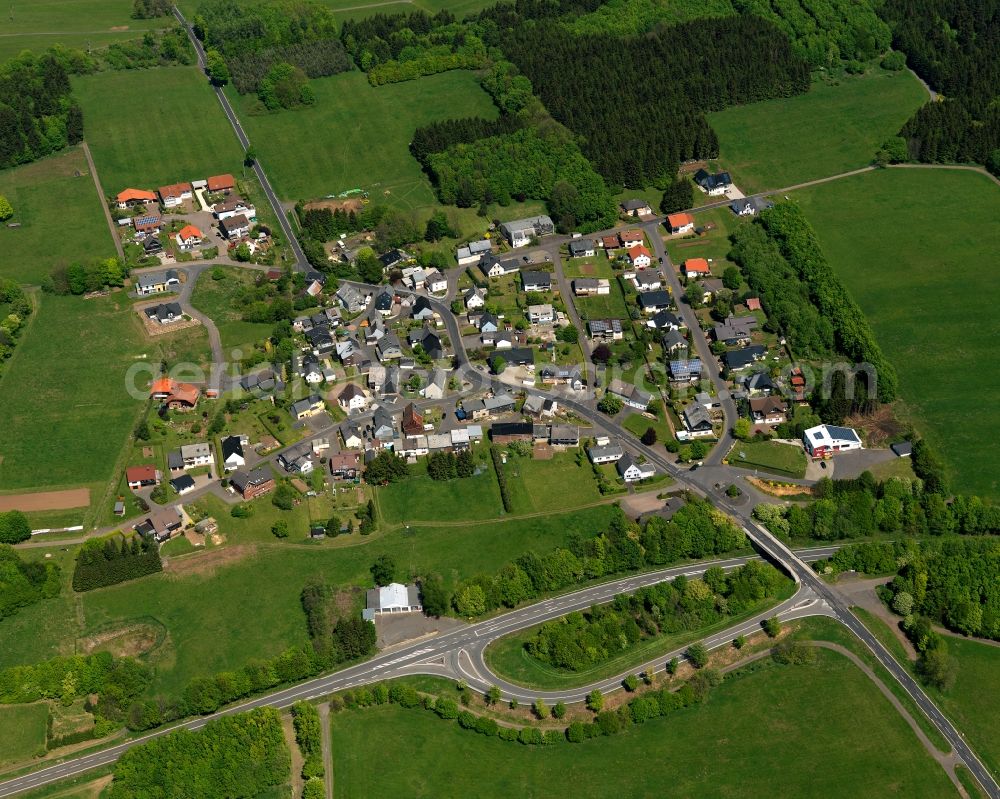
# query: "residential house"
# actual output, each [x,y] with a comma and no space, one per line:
[697,421]
[459,438]
[648,280]
[156,282]
[345,465]
[493,267]
[383,424]
[564,435]
[297,459]
[652,301]
[232,452]
[435,282]
[189,237]
[639,257]
[412,447]
[519,356]
[768,410]
[605,329]
[610,243]
[475,298]
[352,398]
[635,208]
[735,331]
[507,432]
[436,386]
[710,288]
[750,206]
[520,232]
[488,323]
[540,314]
[223,183]
[533,404]
[605,451]
[149,225]
[235,227]
[737,360]
[680,223]
[707,401]
[160,523]
[175,395]
[152,246]
[311,371]
[195,455]
[696,267]
[320,444]
[182,484]
[631,395]
[631,238]
[393,380]
[254,483]
[471,253]
[713,185]
[569,375]
[131,197]
[350,434]
[631,471]
[321,341]
[422,309]
[389,348]
[393,258]
[172,196]
[582,248]
[393,598]
[234,206]
[165,313]
[759,384]
[376,331]
[141,476]
[384,301]
[376,377]
[666,320]
[685,370]
[674,342]
[428,341]
[536,281]
[499,404]
[825,439]
[306,407]
[591,286]
[351,299]
[413,421]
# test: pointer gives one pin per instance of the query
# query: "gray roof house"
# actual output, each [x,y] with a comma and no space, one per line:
[519,232]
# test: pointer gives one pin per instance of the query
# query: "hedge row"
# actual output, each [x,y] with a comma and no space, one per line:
[309,736]
[501,477]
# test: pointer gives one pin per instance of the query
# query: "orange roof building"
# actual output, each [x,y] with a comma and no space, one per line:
[679,223]
[161,387]
[190,233]
[639,254]
[175,394]
[175,194]
[141,475]
[696,266]
[221,183]
[610,242]
[134,197]
[753,304]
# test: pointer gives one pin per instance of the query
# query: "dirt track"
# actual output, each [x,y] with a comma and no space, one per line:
[46,500]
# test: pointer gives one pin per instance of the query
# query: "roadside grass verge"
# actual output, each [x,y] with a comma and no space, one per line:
[24,733]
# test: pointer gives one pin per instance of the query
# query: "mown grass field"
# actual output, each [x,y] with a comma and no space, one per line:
[769,456]
[834,127]
[216,298]
[797,731]
[40,24]
[196,603]
[24,731]
[357,136]
[59,214]
[180,135]
[560,483]
[920,249]
[66,410]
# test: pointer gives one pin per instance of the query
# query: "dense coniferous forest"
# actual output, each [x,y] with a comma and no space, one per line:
[38,116]
[638,104]
[439,136]
[316,59]
[107,562]
[955,47]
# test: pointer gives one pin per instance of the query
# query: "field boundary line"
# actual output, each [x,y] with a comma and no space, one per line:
[103,199]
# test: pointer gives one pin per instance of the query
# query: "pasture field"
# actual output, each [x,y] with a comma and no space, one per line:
[24,731]
[59,214]
[39,24]
[67,414]
[357,136]
[827,731]
[216,299]
[359,9]
[919,249]
[538,485]
[181,136]
[769,456]
[834,127]
[194,599]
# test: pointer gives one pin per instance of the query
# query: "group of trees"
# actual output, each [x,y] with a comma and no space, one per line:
[309,737]
[439,136]
[334,640]
[298,36]
[24,582]
[386,467]
[165,48]
[285,86]
[580,641]
[526,164]
[696,531]
[115,680]
[15,308]
[638,103]
[81,278]
[38,115]
[449,466]
[106,561]
[151,9]
[240,755]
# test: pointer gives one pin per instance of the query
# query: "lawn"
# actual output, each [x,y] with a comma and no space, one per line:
[920,250]
[605,306]
[40,24]
[508,658]
[220,618]
[637,424]
[421,499]
[181,134]
[598,266]
[67,412]
[60,217]
[216,298]
[357,136]
[713,245]
[769,456]
[24,731]
[799,731]
[565,481]
[836,126]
